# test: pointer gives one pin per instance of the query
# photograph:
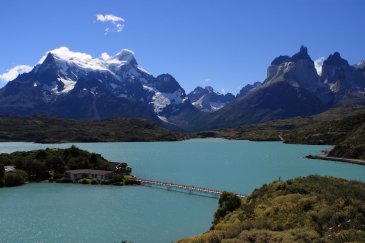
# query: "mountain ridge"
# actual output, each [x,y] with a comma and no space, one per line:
[75,85]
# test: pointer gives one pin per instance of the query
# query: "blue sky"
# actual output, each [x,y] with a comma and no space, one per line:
[223,43]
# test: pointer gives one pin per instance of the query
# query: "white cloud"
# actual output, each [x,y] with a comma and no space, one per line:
[79,58]
[115,23]
[104,56]
[12,73]
[318,65]
[65,53]
[109,17]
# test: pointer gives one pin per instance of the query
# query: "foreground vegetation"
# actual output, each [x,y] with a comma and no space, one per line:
[51,165]
[44,129]
[343,127]
[309,209]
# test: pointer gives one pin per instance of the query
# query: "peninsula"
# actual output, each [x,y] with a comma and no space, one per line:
[62,165]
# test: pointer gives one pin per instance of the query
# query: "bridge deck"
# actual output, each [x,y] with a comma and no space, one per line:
[188,188]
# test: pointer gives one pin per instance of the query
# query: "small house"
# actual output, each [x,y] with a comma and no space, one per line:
[89,173]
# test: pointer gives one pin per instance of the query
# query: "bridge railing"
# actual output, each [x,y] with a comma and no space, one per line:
[188,188]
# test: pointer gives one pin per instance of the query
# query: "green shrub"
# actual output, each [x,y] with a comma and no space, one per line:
[84,181]
[16,178]
[94,182]
[130,180]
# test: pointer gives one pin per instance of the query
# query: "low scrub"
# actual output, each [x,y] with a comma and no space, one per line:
[309,209]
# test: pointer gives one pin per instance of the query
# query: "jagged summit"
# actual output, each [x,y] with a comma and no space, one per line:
[280,59]
[336,59]
[126,55]
[208,100]
[302,54]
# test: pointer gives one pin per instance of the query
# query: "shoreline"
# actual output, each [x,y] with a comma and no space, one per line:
[337,159]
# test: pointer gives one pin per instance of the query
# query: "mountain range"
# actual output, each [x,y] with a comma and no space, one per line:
[208,100]
[75,85]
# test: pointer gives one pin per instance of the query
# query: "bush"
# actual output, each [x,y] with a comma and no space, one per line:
[130,180]
[84,181]
[94,182]
[15,178]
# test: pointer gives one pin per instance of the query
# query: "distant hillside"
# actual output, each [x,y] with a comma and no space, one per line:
[343,126]
[310,209]
[43,129]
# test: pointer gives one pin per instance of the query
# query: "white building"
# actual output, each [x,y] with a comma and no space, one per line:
[89,173]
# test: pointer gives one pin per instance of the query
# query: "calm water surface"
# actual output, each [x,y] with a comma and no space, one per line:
[83,213]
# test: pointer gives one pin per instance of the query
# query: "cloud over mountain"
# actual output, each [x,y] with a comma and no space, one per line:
[14,72]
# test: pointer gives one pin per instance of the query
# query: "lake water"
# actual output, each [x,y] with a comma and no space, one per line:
[84,213]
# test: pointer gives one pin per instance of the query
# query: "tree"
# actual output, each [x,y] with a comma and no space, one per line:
[55,163]
[37,170]
[2,174]
[2,170]
[228,202]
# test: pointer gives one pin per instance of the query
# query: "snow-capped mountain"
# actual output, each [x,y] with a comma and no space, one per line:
[76,85]
[208,100]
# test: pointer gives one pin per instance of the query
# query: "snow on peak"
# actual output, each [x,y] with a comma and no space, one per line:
[360,64]
[78,58]
[122,57]
[12,73]
[125,55]
[318,65]
[86,61]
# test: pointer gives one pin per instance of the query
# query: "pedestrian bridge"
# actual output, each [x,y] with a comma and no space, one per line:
[184,188]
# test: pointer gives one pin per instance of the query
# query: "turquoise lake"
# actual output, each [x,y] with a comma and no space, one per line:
[83,213]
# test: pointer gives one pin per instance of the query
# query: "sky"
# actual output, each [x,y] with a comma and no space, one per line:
[221,43]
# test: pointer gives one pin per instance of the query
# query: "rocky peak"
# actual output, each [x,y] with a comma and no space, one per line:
[209,89]
[335,59]
[167,83]
[127,56]
[360,66]
[301,55]
[50,59]
[280,59]
[248,88]
[298,71]
[340,77]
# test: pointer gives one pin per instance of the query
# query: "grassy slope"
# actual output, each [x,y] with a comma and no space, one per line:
[309,209]
[344,127]
[52,130]
[295,130]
